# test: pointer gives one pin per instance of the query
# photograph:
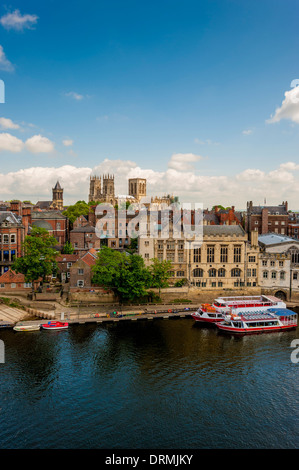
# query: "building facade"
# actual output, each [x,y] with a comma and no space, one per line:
[225,259]
[264,219]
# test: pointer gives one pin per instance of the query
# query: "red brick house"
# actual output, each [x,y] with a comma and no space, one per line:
[65,262]
[81,271]
[53,221]
[12,282]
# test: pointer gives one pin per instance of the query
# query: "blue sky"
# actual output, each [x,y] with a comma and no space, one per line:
[143,81]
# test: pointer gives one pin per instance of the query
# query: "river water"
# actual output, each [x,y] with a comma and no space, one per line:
[159,384]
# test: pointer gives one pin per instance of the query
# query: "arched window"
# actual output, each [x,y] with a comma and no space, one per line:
[236,272]
[197,272]
[273,275]
[265,274]
[282,275]
[212,272]
[221,272]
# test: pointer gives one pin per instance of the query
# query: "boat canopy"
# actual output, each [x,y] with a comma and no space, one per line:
[282,312]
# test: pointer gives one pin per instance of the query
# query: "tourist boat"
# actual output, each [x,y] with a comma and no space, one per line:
[55,325]
[24,327]
[208,314]
[273,319]
[213,313]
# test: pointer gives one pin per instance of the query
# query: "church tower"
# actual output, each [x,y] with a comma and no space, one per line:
[95,189]
[137,188]
[57,192]
[108,188]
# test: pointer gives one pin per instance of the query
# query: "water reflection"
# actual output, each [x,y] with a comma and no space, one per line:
[151,384]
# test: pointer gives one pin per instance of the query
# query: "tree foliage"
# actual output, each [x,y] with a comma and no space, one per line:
[39,255]
[74,211]
[124,273]
[67,248]
[160,273]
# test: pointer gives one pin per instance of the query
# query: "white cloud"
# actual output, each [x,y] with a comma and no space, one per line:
[74,95]
[247,132]
[6,123]
[39,144]
[183,161]
[5,64]
[68,142]
[17,21]
[10,143]
[277,185]
[289,108]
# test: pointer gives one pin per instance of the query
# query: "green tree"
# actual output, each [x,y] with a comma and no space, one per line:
[123,273]
[68,249]
[39,256]
[160,273]
[74,211]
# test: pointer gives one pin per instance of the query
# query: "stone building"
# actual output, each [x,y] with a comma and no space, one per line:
[57,200]
[279,265]
[225,259]
[97,193]
[137,188]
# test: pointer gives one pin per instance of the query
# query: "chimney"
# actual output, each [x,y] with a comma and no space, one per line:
[26,218]
[254,238]
[16,207]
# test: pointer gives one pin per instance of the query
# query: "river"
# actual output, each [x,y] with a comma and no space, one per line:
[159,384]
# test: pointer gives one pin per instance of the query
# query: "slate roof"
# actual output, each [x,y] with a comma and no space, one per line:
[228,230]
[10,217]
[273,210]
[86,228]
[268,239]
[47,215]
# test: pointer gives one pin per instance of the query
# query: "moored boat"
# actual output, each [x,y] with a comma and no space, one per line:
[214,313]
[208,314]
[279,319]
[55,325]
[24,327]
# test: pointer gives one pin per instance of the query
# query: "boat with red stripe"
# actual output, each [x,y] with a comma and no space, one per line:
[271,320]
[215,312]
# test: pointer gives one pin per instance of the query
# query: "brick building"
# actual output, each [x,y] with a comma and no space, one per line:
[64,263]
[13,282]
[81,271]
[53,221]
[83,238]
[218,216]
[265,219]
[14,226]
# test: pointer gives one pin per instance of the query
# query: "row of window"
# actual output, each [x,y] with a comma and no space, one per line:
[236,272]
[272,263]
[5,237]
[13,285]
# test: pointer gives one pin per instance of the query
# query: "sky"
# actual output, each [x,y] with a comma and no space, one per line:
[200,97]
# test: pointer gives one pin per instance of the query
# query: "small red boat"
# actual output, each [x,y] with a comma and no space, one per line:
[55,325]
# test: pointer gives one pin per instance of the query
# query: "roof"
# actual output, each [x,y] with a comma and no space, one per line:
[42,224]
[268,239]
[43,204]
[47,215]
[228,230]
[90,257]
[282,312]
[57,186]
[85,228]
[11,276]
[10,217]
[273,210]
[67,258]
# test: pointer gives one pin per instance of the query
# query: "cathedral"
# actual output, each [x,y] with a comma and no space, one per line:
[102,189]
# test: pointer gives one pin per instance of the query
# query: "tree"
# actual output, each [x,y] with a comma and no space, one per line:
[68,249]
[39,256]
[160,273]
[74,211]
[123,273]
